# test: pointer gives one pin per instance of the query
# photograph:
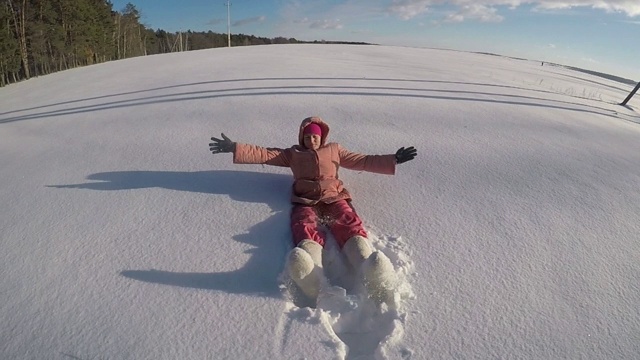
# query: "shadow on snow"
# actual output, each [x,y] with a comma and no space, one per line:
[259,275]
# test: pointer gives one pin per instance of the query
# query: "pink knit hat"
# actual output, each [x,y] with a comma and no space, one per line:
[313,128]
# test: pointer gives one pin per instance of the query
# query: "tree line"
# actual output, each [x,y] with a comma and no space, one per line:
[38,37]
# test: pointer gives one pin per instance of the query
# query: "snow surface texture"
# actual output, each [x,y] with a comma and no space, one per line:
[515,229]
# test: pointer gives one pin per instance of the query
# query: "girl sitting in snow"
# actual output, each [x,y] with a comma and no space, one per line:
[318,198]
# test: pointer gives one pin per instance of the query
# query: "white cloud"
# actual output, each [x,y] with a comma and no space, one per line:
[249,21]
[590,60]
[320,24]
[407,9]
[629,7]
[486,10]
[326,25]
[298,16]
[320,14]
[216,21]
[302,21]
[475,12]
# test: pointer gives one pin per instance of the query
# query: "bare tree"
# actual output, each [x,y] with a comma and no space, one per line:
[19,21]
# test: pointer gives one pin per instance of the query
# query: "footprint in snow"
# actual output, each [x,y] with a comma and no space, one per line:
[361,328]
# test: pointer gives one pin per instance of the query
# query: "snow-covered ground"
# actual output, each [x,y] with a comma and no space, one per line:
[516,229]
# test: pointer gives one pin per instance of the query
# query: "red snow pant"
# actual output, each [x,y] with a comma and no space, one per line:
[339,217]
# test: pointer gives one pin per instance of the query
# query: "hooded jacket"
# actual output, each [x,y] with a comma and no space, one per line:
[315,172]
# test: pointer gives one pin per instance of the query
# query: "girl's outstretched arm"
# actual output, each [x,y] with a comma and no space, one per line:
[254,154]
[249,154]
[382,164]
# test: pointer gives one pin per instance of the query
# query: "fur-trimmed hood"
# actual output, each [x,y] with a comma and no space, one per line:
[313,120]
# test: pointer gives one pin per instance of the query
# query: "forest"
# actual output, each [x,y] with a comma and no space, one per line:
[38,37]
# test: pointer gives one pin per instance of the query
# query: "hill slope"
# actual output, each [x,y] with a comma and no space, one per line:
[124,238]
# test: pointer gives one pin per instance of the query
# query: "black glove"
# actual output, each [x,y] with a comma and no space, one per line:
[224,145]
[404,155]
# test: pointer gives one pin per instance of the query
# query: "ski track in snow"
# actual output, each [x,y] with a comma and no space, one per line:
[357,327]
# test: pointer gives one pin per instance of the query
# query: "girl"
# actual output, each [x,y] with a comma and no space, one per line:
[319,198]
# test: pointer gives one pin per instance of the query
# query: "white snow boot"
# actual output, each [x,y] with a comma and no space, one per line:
[379,277]
[305,267]
[357,249]
[374,267]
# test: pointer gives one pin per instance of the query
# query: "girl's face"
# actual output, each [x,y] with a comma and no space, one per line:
[312,141]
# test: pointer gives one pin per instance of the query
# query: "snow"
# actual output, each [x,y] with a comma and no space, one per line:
[514,231]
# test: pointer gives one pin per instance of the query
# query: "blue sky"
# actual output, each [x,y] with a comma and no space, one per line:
[592,34]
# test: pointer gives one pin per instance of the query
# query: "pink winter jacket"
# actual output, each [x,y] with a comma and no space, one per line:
[315,172]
